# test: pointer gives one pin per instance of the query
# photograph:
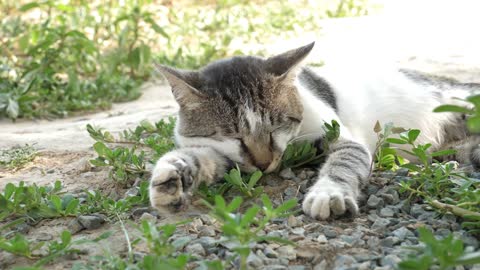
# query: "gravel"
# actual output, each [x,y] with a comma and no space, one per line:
[91,222]
[376,239]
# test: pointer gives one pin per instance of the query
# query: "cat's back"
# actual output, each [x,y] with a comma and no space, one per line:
[365,94]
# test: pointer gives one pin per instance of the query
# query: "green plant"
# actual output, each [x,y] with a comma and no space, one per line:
[20,246]
[62,57]
[438,183]
[243,229]
[305,153]
[473,121]
[96,202]
[160,251]
[125,163]
[386,156]
[17,157]
[444,253]
[246,184]
[34,202]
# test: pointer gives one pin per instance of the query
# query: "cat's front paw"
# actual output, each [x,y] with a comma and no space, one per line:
[327,198]
[171,180]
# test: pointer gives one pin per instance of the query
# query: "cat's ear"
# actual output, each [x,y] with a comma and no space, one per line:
[183,83]
[281,64]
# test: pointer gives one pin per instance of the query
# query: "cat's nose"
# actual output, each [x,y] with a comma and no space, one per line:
[262,166]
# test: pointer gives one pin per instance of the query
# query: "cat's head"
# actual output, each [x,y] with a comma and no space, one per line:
[246,107]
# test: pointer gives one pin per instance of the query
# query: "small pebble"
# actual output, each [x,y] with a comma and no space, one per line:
[148,217]
[344,261]
[287,174]
[287,252]
[91,222]
[330,233]
[293,221]
[195,249]
[380,223]
[387,212]
[74,226]
[374,202]
[402,233]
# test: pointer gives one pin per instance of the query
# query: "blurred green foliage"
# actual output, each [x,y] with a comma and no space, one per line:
[67,56]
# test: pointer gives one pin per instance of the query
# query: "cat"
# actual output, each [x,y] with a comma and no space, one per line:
[245,110]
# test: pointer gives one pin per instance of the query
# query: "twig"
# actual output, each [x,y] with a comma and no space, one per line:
[454,209]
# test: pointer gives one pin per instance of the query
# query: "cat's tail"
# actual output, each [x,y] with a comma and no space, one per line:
[467,151]
[440,82]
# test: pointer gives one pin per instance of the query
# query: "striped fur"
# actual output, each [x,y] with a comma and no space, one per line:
[245,110]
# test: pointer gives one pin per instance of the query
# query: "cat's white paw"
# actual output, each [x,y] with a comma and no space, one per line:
[169,183]
[327,198]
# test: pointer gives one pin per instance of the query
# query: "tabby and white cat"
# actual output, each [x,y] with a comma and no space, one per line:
[245,110]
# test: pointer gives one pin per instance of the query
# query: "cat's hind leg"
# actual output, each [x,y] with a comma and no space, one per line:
[181,171]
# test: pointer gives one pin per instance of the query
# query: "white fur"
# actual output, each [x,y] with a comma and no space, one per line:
[326,198]
[228,147]
[253,119]
[363,97]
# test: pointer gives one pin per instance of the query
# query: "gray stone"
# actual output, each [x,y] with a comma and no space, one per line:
[402,172]
[387,212]
[207,219]
[23,228]
[362,266]
[195,249]
[148,217]
[287,252]
[6,259]
[297,267]
[390,260]
[206,231]
[43,236]
[293,221]
[74,226]
[132,192]
[322,239]
[290,192]
[181,241]
[139,211]
[270,253]
[274,267]
[287,174]
[207,241]
[389,241]
[354,239]
[403,233]
[416,210]
[323,265]
[304,186]
[91,222]
[302,175]
[299,231]
[330,233]
[374,202]
[344,261]
[254,261]
[373,243]
[443,232]
[380,224]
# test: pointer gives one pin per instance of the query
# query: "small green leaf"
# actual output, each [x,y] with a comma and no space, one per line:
[444,153]
[453,108]
[413,135]
[395,141]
